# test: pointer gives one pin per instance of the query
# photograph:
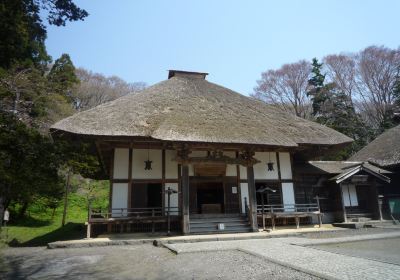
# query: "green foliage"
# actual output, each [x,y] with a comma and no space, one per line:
[317,92]
[28,163]
[40,226]
[23,34]
[333,108]
[62,77]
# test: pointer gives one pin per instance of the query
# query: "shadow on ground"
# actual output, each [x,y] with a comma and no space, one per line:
[31,222]
[68,232]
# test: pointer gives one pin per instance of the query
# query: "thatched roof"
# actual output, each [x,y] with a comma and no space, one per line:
[383,151]
[186,107]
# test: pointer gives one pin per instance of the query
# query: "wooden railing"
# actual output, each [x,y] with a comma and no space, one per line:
[296,211]
[131,213]
[279,208]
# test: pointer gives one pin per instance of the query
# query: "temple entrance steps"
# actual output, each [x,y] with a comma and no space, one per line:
[219,223]
[359,217]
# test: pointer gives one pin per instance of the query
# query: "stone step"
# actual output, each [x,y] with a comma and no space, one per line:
[221,220]
[226,230]
[215,225]
[232,224]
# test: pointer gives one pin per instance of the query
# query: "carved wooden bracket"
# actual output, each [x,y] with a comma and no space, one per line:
[245,159]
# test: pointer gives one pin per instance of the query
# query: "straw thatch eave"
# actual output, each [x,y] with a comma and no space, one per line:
[185,109]
[384,151]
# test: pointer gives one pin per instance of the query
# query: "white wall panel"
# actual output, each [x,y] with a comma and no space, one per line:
[345,194]
[174,198]
[286,167]
[244,191]
[139,157]
[243,172]
[349,195]
[260,169]
[119,198]
[230,168]
[288,194]
[121,163]
[171,166]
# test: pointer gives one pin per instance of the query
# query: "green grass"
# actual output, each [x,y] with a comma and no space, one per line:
[39,228]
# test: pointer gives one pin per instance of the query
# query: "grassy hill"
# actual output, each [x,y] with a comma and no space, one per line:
[38,227]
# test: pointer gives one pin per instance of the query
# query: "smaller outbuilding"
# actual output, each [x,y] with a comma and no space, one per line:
[348,191]
[384,152]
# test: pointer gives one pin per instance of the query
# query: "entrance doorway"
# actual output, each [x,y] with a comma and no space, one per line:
[210,197]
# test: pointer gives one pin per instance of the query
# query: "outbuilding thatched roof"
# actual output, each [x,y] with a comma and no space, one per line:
[383,151]
[188,108]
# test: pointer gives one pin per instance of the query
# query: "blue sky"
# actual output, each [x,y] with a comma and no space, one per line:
[232,40]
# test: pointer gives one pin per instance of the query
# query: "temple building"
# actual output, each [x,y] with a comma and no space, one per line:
[207,159]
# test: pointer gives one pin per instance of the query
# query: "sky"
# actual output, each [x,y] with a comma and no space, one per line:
[234,41]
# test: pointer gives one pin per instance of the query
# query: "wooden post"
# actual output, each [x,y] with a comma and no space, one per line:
[343,206]
[297,222]
[252,197]
[263,212]
[152,221]
[185,199]
[88,230]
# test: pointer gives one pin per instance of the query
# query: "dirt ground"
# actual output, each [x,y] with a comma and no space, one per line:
[137,262]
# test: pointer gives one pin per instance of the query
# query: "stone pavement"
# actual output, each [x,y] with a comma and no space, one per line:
[140,238]
[284,251]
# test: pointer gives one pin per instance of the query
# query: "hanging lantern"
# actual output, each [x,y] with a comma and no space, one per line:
[270,164]
[148,162]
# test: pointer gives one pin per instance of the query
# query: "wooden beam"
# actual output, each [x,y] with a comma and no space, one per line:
[252,198]
[111,181]
[130,178]
[185,199]
[163,181]
[343,206]
[238,184]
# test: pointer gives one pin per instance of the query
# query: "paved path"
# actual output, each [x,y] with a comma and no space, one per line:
[313,261]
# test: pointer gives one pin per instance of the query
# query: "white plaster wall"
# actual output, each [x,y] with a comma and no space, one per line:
[121,163]
[243,172]
[260,169]
[174,198]
[119,198]
[195,154]
[171,166]
[288,195]
[230,168]
[139,156]
[286,167]
[244,191]
[349,195]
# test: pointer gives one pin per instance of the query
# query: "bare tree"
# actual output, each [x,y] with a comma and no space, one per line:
[95,89]
[377,71]
[287,88]
[341,70]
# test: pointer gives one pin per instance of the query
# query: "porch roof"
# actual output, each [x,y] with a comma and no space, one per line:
[338,167]
[368,168]
[187,108]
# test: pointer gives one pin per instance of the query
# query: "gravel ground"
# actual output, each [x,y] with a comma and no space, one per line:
[137,262]
[384,250]
[348,232]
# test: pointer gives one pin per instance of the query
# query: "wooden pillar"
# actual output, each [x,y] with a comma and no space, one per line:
[185,199]
[252,197]
[88,230]
[343,206]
